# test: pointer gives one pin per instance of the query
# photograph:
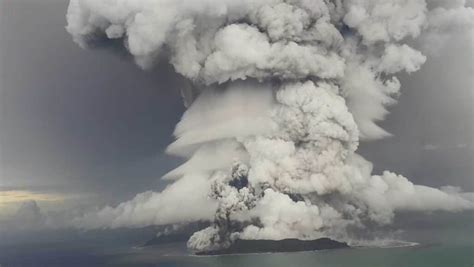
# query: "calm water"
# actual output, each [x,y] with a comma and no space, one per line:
[445,241]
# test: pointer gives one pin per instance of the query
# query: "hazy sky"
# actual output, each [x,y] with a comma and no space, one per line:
[78,120]
[91,122]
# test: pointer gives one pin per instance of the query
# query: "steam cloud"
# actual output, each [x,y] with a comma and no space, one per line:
[283,92]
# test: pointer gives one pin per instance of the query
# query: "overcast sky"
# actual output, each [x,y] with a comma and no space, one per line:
[78,120]
[91,122]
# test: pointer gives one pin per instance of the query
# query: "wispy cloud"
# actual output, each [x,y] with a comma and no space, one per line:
[10,200]
[19,196]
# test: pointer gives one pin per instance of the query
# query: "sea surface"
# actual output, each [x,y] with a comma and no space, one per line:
[431,240]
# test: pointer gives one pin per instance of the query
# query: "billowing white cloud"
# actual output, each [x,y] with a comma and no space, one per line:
[183,201]
[287,89]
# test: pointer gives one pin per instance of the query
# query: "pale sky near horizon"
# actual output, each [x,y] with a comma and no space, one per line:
[91,123]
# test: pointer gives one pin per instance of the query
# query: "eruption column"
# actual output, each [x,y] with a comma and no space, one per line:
[285,91]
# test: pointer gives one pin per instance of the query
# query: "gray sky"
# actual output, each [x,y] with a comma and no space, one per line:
[76,121]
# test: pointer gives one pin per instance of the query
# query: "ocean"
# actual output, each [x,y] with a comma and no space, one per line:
[431,240]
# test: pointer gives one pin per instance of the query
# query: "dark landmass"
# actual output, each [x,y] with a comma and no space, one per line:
[286,245]
[181,233]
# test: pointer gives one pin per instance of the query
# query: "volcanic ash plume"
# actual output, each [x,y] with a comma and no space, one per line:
[283,92]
